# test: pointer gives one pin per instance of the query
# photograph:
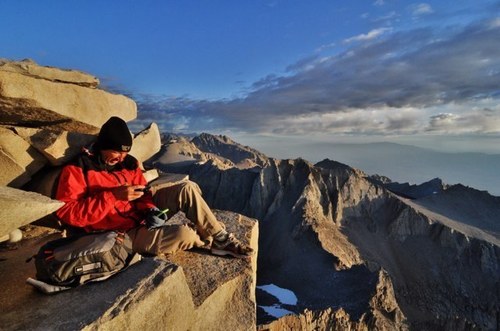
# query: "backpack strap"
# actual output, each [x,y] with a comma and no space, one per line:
[46,288]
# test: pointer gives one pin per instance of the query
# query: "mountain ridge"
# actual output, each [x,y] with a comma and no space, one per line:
[344,226]
[395,161]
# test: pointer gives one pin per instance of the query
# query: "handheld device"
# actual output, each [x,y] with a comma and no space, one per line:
[145,190]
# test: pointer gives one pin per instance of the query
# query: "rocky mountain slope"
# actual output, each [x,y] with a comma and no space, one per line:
[242,156]
[328,233]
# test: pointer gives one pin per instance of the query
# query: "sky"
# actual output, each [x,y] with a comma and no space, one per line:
[272,73]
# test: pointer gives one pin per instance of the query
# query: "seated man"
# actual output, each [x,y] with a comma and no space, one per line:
[104,190]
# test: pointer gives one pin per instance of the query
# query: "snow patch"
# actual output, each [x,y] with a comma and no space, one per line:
[285,296]
[276,311]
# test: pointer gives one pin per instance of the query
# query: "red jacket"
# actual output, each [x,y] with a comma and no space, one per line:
[85,185]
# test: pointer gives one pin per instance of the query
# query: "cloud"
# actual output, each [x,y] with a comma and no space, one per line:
[379,3]
[421,9]
[417,81]
[481,121]
[495,23]
[441,121]
[325,47]
[367,36]
[387,17]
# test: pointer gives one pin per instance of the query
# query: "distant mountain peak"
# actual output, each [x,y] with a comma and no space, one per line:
[223,146]
[414,191]
[338,167]
[330,164]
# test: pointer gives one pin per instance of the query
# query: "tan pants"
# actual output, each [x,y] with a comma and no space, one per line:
[185,197]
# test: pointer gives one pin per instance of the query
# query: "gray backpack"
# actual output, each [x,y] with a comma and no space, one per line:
[65,263]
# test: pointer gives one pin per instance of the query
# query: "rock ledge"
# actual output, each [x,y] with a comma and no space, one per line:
[185,291]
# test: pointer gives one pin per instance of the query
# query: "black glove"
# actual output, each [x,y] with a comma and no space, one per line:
[155,219]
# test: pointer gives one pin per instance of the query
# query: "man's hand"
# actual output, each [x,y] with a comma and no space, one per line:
[128,193]
[155,218]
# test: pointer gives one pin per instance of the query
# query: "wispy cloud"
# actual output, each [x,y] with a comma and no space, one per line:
[367,36]
[401,83]
[326,46]
[387,17]
[421,9]
[379,3]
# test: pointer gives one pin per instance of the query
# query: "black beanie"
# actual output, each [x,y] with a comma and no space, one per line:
[114,135]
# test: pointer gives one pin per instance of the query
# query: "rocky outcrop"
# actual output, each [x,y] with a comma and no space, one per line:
[18,159]
[34,101]
[146,143]
[56,145]
[47,115]
[18,208]
[327,319]
[45,124]
[185,291]
[30,68]
[243,157]
[178,154]
[35,143]
[333,228]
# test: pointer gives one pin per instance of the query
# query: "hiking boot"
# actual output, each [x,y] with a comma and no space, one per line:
[231,246]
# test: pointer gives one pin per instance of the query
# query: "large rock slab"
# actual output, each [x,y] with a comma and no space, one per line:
[57,146]
[30,68]
[146,143]
[187,291]
[32,102]
[18,208]
[18,159]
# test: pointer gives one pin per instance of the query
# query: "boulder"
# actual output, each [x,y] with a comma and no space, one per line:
[18,208]
[57,146]
[146,143]
[18,159]
[33,102]
[30,68]
[186,291]
[12,173]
